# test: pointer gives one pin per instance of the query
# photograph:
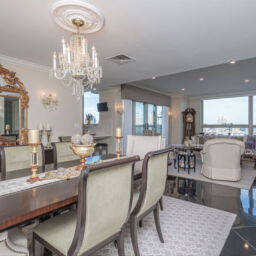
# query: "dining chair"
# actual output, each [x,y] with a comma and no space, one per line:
[154,177]
[16,159]
[62,153]
[141,145]
[65,138]
[105,193]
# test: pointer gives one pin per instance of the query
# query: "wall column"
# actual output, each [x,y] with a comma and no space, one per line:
[178,104]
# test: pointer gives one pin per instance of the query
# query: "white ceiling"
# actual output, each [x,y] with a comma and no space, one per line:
[165,36]
[221,79]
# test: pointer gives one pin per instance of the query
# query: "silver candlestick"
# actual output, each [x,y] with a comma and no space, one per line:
[41,135]
[48,133]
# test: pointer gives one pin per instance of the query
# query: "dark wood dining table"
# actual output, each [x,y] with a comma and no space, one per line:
[23,206]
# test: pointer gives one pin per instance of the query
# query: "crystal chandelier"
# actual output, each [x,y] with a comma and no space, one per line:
[74,65]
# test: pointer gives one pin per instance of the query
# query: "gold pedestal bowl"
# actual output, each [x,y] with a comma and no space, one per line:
[82,151]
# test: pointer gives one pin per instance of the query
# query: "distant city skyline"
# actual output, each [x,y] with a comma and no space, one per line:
[229,110]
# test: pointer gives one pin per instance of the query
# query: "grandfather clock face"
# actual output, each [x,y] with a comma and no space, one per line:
[189,118]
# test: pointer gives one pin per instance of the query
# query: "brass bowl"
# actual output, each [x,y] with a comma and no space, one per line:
[82,151]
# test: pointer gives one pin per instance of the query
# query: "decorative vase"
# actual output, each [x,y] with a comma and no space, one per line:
[82,151]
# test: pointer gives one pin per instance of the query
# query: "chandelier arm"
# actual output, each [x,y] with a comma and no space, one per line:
[60,77]
[75,66]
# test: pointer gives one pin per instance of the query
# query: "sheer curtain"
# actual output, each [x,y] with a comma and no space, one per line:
[126,122]
[165,128]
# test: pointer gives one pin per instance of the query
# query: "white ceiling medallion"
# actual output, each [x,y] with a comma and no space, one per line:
[63,12]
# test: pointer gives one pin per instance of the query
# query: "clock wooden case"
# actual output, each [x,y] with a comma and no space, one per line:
[188,123]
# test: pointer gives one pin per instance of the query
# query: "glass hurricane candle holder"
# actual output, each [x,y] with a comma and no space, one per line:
[118,146]
[34,163]
[41,135]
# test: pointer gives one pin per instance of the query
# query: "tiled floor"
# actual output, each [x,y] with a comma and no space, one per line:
[242,238]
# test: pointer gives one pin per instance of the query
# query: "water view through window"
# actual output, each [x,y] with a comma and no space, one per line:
[226,116]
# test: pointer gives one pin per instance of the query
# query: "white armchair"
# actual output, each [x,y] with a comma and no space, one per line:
[141,145]
[221,159]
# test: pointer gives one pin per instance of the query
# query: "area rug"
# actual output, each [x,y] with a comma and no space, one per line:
[247,179]
[188,229]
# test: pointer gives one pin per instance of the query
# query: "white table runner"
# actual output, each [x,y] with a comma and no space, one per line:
[19,184]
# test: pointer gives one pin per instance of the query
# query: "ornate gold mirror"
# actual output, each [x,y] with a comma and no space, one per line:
[13,107]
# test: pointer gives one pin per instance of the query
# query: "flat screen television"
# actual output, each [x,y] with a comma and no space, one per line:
[102,107]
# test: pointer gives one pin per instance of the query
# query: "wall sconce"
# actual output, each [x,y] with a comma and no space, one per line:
[119,107]
[170,114]
[50,102]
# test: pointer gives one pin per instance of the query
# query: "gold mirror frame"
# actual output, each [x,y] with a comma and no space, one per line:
[16,86]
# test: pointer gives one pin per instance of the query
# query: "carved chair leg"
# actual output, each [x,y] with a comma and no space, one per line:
[141,223]
[161,204]
[120,244]
[157,222]
[134,238]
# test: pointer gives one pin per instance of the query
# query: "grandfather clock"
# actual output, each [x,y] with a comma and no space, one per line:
[188,123]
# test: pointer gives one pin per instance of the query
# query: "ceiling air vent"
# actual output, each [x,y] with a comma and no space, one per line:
[121,59]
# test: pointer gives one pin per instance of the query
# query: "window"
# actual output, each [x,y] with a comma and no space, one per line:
[90,101]
[226,116]
[151,123]
[147,116]
[139,118]
[159,120]
[254,114]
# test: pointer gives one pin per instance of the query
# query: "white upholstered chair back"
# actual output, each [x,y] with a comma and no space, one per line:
[141,145]
[154,176]
[221,159]
[105,198]
[16,158]
[63,153]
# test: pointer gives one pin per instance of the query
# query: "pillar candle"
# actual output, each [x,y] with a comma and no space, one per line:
[118,132]
[40,126]
[33,136]
[48,127]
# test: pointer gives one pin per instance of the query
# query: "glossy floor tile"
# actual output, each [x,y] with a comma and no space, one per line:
[236,246]
[249,234]
[242,202]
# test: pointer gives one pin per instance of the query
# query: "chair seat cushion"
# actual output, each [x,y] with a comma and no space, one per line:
[135,199]
[58,231]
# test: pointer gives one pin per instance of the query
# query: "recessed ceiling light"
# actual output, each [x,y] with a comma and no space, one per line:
[246,80]
[153,77]
[201,79]
[183,89]
[232,62]
[246,246]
